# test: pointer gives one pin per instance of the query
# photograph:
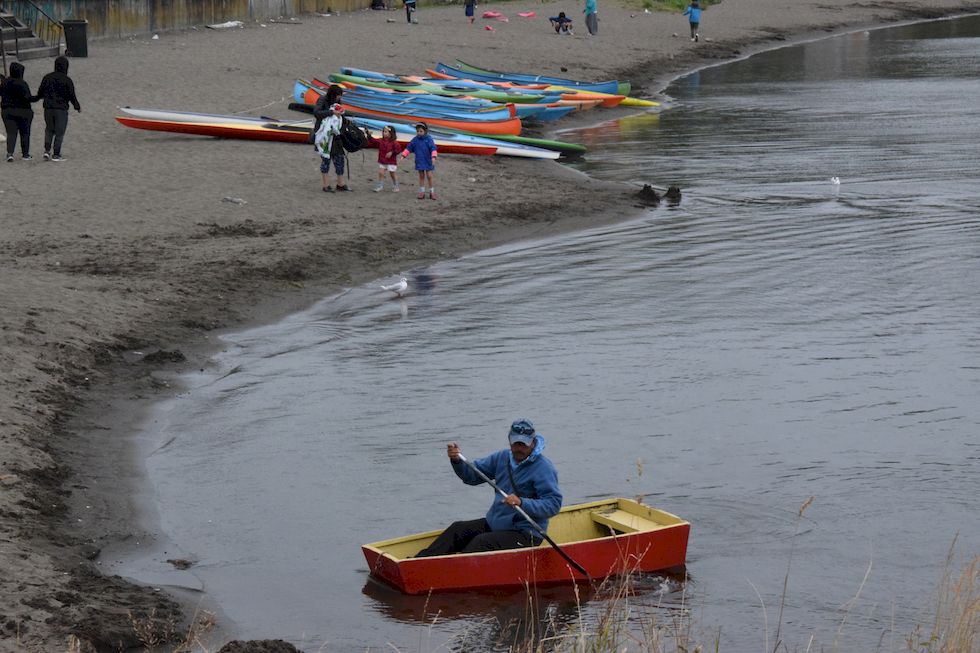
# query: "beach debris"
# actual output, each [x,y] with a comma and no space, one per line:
[526,14]
[472,180]
[180,563]
[398,288]
[488,28]
[164,356]
[233,200]
[155,37]
[226,25]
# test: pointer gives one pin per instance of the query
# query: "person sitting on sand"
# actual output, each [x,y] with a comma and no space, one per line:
[562,24]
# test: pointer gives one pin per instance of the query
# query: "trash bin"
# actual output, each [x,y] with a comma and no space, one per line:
[76,37]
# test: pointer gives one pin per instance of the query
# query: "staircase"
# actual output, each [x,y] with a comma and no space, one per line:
[19,41]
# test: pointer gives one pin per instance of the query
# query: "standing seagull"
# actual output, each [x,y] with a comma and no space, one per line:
[397,288]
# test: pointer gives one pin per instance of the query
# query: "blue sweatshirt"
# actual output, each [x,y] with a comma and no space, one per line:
[422,147]
[537,486]
[694,13]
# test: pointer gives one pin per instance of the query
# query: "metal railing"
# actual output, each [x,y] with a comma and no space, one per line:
[43,26]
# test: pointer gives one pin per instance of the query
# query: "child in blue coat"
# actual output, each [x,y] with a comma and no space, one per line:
[694,17]
[562,24]
[425,152]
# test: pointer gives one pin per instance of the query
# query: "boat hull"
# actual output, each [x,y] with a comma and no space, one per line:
[259,129]
[620,536]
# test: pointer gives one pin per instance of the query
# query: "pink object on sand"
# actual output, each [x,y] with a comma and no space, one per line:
[526,14]
[503,19]
[488,28]
[492,14]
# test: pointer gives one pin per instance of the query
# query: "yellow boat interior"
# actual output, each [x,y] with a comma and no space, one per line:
[576,523]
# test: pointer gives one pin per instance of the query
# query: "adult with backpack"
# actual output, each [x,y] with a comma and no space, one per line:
[331,149]
[321,110]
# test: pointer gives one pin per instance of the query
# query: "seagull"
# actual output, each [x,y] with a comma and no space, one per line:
[835,181]
[397,288]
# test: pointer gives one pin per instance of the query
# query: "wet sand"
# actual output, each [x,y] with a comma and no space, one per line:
[126,259]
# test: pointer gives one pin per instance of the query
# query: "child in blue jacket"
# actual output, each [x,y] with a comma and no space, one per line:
[425,152]
[694,17]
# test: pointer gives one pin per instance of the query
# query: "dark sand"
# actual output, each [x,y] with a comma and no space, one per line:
[129,246]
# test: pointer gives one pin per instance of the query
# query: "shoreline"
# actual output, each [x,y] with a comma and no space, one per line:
[139,254]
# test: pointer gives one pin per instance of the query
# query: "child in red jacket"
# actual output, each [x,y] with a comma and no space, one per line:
[388,150]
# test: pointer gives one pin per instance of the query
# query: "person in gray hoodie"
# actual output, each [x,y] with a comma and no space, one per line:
[15,107]
[57,90]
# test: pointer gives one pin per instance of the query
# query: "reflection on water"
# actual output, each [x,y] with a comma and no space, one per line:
[499,619]
[774,336]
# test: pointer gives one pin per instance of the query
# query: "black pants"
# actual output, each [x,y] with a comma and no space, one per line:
[475,536]
[18,122]
[409,10]
[55,124]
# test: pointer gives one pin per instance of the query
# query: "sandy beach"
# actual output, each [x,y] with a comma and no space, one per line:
[127,258]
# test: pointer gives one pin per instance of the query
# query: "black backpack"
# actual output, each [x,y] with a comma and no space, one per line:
[351,137]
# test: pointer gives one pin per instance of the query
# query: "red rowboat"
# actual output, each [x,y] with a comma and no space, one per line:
[606,537]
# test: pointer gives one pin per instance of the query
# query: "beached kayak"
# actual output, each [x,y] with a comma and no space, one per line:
[470,71]
[606,537]
[297,131]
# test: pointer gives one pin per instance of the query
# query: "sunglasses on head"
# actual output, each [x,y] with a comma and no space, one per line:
[522,429]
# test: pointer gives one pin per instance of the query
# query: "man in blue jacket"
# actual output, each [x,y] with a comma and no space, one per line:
[530,481]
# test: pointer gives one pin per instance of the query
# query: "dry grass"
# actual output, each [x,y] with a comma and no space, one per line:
[956,625]
[620,627]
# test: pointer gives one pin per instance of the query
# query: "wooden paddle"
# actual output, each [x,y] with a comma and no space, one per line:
[533,523]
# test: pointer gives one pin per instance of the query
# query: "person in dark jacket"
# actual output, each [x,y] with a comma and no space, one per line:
[15,107]
[321,109]
[58,91]
[528,477]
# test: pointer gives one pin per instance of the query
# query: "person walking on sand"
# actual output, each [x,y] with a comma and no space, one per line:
[425,152]
[15,107]
[470,7]
[409,9]
[58,91]
[693,12]
[331,149]
[591,17]
[387,157]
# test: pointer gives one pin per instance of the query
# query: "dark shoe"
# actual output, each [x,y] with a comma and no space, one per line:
[57,157]
[328,189]
[341,189]
[27,157]
[10,158]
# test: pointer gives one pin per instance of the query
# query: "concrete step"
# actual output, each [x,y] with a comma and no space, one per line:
[41,52]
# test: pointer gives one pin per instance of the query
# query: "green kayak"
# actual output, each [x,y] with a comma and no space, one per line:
[439,89]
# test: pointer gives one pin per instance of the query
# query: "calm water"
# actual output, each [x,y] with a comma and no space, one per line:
[773,337]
